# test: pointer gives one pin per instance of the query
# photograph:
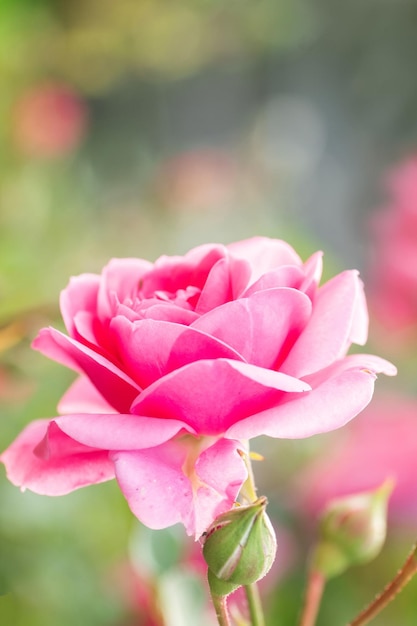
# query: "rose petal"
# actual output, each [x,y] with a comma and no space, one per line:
[337,395]
[113,384]
[120,281]
[70,467]
[79,295]
[165,311]
[217,289]
[210,396]
[285,276]
[220,472]
[163,486]
[263,327]
[119,431]
[150,349]
[179,272]
[264,254]
[83,397]
[326,337]
[313,269]
[360,321]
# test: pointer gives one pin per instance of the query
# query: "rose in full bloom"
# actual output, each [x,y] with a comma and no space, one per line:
[180,362]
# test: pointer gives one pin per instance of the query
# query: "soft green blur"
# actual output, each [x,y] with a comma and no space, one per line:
[146,127]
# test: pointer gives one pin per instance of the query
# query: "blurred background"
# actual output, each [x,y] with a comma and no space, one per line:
[146,127]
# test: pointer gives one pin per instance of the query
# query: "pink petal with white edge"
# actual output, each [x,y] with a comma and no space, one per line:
[150,349]
[263,327]
[79,295]
[117,388]
[326,337]
[338,394]
[264,254]
[161,491]
[83,397]
[30,465]
[119,431]
[211,395]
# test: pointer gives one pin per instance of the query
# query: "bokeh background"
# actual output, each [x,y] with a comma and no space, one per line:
[146,127]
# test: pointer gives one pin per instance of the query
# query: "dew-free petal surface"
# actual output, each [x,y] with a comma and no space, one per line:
[30,465]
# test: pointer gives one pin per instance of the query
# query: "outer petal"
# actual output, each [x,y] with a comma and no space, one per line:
[69,466]
[83,397]
[150,349]
[313,269]
[326,337]
[113,384]
[79,295]
[338,394]
[165,485]
[210,396]
[262,328]
[264,254]
[360,322]
[119,431]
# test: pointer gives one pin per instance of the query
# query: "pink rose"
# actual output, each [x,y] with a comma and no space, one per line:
[181,361]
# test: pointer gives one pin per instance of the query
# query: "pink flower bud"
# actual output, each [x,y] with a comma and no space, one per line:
[352,531]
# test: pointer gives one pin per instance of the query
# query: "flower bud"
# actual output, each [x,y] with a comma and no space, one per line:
[352,531]
[240,547]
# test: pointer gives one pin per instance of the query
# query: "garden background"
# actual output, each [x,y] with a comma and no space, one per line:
[147,127]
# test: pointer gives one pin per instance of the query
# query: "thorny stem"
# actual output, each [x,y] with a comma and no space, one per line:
[313,595]
[403,576]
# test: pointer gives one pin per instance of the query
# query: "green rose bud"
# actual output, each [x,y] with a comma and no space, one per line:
[352,531]
[239,547]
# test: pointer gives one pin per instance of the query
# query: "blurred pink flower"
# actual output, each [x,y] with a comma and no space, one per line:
[382,444]
[182,361]
[49,120]
[393,268]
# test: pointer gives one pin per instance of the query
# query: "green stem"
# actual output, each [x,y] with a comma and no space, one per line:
[313,595]
[220,606]
[254,605]
[252,592]
[403,576]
